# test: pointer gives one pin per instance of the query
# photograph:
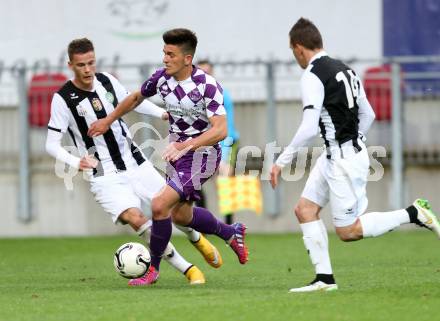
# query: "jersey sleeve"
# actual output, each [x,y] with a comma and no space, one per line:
[149,108]
[213,97]
[149,87]
[59,115]
[312,93]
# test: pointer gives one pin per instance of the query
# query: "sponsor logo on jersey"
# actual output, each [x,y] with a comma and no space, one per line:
[81,110]
[96,104]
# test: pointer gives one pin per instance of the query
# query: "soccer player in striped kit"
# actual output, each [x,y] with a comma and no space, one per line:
[194,102]
[334,103]
[119,173]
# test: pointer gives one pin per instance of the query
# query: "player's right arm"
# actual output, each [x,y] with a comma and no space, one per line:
[146,107]
[102,125]
[130,102]
[312,93]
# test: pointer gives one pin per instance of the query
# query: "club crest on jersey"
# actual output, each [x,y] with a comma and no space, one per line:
[81,110]
[109,96]
[96,104]
[164,90]
[195,95]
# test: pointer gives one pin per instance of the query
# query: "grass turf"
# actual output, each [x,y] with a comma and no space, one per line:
[394,277]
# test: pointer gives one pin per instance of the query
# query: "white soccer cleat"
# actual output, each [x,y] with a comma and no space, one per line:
[426,216]
[316,286]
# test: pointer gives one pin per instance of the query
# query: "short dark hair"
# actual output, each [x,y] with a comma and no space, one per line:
[306,34]
[205,62]
[184,38]
[79,46]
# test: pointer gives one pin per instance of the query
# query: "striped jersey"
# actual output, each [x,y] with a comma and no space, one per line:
[190,102]
[74,109]
[340,88]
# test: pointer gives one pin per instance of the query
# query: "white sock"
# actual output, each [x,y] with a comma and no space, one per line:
[378,223]
[170,254]
[175,259]
[324,230]
[144,232]
[191,234]
[316,242]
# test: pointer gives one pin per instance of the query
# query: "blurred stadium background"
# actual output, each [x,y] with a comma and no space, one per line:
[396,52]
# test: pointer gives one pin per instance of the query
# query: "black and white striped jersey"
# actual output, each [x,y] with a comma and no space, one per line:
[73,110]
[341,88]
[334,104]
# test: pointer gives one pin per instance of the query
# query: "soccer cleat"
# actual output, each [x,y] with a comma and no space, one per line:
[237,242]
[315,286]
[149,278]
[426,216]
[195,276]
[209,252]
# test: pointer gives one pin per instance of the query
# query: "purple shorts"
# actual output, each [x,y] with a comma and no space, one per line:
[187,175]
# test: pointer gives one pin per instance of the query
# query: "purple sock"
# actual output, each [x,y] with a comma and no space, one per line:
[160,236]
[205,222]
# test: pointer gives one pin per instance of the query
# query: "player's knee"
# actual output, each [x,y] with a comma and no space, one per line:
[347,237]
[158,208]
[133,217]
[298,211]
[350,233]
[304,214]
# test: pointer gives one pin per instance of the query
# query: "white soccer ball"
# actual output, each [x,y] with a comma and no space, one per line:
[132,260]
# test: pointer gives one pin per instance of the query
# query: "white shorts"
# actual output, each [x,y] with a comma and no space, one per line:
[342,181]
[120,191]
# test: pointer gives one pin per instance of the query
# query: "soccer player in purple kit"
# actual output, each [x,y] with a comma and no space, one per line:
[194,102]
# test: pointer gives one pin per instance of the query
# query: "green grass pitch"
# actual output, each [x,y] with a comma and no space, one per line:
[394,277]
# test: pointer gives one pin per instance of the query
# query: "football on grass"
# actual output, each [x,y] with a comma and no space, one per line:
[132,260]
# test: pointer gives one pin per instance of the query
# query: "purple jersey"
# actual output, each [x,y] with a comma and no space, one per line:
[189,102]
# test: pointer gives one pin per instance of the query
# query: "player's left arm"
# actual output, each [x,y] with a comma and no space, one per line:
[212,136]
[216,113]
[312,92]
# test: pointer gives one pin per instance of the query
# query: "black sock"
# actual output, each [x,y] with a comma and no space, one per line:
[326,278]
[412,212]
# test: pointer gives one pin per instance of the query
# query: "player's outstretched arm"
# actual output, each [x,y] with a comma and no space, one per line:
[149,108]
[102,125]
